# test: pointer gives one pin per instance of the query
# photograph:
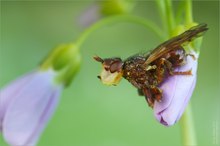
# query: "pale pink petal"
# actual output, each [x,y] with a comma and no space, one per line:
[30,109]
[177,91]
[8,93]
[182,109]
[48,113]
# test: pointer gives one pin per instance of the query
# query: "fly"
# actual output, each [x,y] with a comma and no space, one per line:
[147,71]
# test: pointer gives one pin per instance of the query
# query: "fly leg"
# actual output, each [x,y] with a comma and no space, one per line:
[180,62]
[177,60]
[157,93]
[178,57]
[148,97]
[151,94]
[168,66]
[188,72]
[163,66]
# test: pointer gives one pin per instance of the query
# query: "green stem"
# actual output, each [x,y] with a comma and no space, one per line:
[179,13]
[162,11]
[187,128]
[119,18]
[189,16]
[187,125]
[170,16]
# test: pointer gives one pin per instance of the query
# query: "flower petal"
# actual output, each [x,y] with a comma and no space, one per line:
[186,100]
[177,91]
[8,93]
[30,110]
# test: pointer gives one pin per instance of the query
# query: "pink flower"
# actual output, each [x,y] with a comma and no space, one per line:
[26,105]
[177,91]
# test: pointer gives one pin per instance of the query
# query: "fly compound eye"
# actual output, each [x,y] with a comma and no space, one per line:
[116,66]
[107,63]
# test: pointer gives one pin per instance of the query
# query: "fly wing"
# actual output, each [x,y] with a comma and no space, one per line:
[176,42]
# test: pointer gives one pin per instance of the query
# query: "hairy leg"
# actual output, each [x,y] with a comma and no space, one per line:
[188,72]
[156,93]
[151,94]
[164,63]
[148,97]
[163,66]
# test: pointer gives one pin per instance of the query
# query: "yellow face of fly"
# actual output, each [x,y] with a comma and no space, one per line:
[111,73]
[109,78]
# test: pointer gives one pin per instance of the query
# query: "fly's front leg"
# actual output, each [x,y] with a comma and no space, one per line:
[163,65]
[168,66]
[151,94]
[148,97]
[177,60]
[188,72]
[156,93]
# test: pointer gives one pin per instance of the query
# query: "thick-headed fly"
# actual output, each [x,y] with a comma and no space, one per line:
[147,71]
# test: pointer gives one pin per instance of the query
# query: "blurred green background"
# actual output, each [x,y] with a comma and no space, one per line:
[91,114]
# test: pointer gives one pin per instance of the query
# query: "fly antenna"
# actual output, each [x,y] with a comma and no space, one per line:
[97,58]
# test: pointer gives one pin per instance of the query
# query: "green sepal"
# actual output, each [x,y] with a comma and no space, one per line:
[66,75]
[195,44]
[65,60]
[66,55]
[48,61]
[178,30]
[60,57]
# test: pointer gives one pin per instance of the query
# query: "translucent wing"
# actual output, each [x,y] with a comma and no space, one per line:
[176,42]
